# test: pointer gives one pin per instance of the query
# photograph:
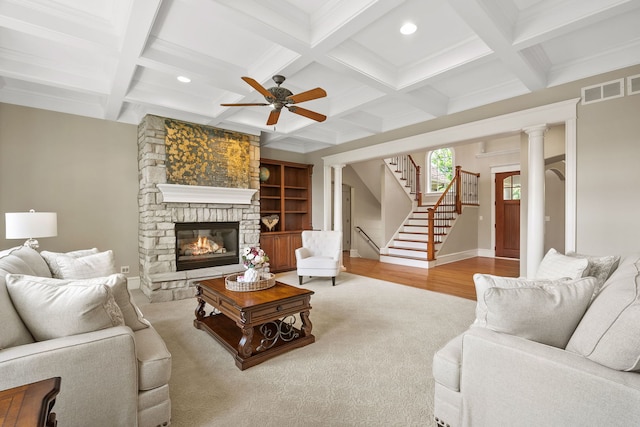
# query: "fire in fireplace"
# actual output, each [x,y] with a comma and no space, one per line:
[206,244]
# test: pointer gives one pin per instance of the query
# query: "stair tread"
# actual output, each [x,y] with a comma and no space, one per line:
[407,249]
[406,257]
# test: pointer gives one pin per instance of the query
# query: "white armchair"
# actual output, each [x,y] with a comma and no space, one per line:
[319,255]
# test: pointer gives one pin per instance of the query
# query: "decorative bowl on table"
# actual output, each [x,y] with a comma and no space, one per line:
[235,282]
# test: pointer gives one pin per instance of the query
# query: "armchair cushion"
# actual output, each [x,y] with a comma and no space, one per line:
[52,311]
[317,262]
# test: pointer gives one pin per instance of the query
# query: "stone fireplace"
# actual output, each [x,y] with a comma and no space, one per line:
[229,195]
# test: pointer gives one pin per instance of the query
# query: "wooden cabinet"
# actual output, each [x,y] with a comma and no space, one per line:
[285,191]
[281,247]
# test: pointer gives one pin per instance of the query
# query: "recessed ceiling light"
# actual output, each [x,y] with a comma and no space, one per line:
[408,28]
[184,79]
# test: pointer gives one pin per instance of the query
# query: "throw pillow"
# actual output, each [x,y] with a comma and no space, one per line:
[599,267]
[547,314]
[52,259]
[555,265]
[87,267]
[609,333]
[51,311]
[131,314]
[484,282]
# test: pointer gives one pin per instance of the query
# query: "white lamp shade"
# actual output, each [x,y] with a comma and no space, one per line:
[26,225]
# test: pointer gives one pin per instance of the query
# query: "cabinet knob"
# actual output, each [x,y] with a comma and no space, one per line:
[279,308]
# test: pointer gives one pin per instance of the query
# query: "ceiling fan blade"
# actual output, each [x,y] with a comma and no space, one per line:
[307,113]
[243,105]
[307,96]
[257,86]
[273,117]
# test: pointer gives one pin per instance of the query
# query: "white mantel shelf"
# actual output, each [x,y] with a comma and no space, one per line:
[177,193]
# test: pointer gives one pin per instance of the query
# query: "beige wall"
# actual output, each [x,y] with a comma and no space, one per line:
[84,169]
[608,155]
[366,214]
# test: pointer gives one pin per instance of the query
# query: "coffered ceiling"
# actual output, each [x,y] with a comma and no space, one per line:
[120,59]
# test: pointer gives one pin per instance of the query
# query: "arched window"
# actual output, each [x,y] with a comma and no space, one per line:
[440,169]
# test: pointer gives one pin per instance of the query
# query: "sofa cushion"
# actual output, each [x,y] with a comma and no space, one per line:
[52,259]
[87,267]
[484,282]
[609,333]
[546,314]
[24,260]
[118,283]
[599,267]
[52,311]
[154,360]
[555,265]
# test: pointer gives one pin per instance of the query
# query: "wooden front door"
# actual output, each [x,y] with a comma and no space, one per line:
[508,214]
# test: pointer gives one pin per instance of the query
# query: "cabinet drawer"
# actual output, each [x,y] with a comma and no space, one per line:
[259,315]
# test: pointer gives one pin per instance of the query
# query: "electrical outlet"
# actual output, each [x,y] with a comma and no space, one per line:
[124,269]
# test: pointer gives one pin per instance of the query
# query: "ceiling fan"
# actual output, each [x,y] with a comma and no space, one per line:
[278,97]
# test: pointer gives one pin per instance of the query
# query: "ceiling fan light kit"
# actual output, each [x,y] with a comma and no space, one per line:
[278,97]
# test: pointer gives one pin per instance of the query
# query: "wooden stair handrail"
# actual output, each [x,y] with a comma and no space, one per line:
[417,181]
[457,202]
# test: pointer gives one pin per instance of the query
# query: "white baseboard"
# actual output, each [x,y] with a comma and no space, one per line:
[487,253]
[353,253]
[458,256]
[133,282]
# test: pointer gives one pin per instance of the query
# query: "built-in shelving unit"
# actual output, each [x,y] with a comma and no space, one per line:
[285,190]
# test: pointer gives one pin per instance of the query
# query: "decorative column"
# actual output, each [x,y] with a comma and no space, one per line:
[337,205]
[337,197]
[535,199]
[326,224]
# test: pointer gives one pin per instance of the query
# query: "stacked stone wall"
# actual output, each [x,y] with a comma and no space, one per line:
[159,279]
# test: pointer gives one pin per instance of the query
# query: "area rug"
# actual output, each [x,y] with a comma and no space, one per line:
[370,365]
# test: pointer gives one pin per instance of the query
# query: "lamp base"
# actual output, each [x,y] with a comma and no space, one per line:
[32,243]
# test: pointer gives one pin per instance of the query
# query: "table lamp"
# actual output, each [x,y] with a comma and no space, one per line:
[31,225]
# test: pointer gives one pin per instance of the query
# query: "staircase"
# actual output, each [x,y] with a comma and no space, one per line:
[419,239]
[410,247]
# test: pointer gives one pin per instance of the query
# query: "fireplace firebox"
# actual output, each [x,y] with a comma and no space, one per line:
[206,244]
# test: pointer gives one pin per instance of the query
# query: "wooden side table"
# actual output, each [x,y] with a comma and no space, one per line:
[30,404]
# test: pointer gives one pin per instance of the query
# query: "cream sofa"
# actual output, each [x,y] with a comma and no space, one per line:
[552,368]
[110,376]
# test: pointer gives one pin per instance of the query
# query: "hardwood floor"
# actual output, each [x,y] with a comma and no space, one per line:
[455,278]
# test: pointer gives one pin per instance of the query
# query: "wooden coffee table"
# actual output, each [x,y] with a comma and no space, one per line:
[254,326]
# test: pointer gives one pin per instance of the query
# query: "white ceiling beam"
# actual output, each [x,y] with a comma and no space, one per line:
[551,19]
[141,19]
[494,29]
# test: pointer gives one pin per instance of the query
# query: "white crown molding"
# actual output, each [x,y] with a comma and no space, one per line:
[177,193]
